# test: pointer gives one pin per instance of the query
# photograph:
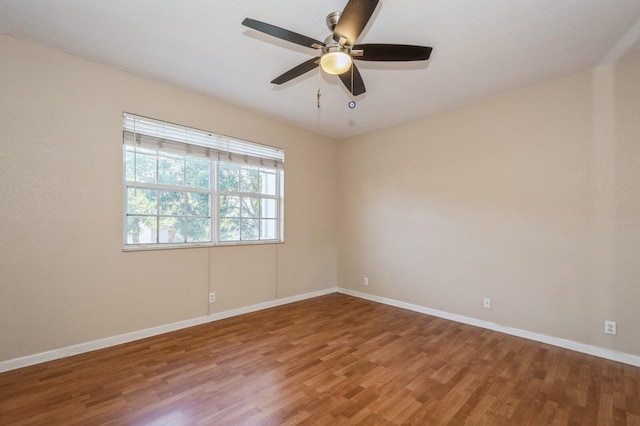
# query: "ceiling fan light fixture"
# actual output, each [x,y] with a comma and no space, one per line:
[339,49]
[335,61]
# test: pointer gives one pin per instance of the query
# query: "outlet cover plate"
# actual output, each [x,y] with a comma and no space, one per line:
[610,327]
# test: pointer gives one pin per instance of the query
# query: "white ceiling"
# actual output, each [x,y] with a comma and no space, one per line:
[481,48]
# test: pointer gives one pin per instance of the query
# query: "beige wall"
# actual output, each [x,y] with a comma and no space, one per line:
[64,278]
[531,198]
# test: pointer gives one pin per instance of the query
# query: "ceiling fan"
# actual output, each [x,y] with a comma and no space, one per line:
[339,50]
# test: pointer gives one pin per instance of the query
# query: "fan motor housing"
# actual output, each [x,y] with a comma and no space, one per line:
[332,20]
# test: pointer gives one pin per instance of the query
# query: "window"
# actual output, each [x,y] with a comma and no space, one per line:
[187,187]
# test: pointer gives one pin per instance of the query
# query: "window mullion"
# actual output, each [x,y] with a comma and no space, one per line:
[157,198]
[260,218]
[157,216]
[278,206]
[214,202]
[164,187]
[241,200]
[185,211]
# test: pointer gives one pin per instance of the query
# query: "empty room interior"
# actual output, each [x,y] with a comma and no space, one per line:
[202,222]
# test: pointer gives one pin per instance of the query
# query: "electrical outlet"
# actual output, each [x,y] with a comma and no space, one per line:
[365,281]
[486,303]
[212,297]
[610,327]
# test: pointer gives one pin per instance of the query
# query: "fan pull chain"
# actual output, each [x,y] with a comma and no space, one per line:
[319,92]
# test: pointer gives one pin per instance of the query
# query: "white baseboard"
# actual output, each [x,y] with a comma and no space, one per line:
[26,361]
[543,338]
[93,345]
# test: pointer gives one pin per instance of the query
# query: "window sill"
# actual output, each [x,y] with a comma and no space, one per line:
[149,247]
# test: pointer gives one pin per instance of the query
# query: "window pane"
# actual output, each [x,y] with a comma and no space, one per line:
[229,206]
[228,177]
[171,170]
[198,204]
[171,230]
[250,180]
[269,208]
[172,203]
[229,229]
[198,230]
[129,166]
[141,230]
[145,167]
[198,172]
[268,180]
[268,229]
[141,201]
[250,207]
[250,229]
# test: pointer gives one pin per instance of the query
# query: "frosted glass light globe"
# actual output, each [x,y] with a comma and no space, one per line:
[335,62]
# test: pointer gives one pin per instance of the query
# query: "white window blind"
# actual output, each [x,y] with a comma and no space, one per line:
[155,134]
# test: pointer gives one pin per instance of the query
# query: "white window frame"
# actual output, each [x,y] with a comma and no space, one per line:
[170,138]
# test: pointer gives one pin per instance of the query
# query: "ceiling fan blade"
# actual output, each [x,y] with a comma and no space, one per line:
[354,18]
[281,33]
[297,71]
[392,52]
[348,78]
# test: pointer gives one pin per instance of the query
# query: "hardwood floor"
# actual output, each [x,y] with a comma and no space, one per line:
[329,360]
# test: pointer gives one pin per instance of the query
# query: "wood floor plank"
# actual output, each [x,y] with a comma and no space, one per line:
[330,360]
